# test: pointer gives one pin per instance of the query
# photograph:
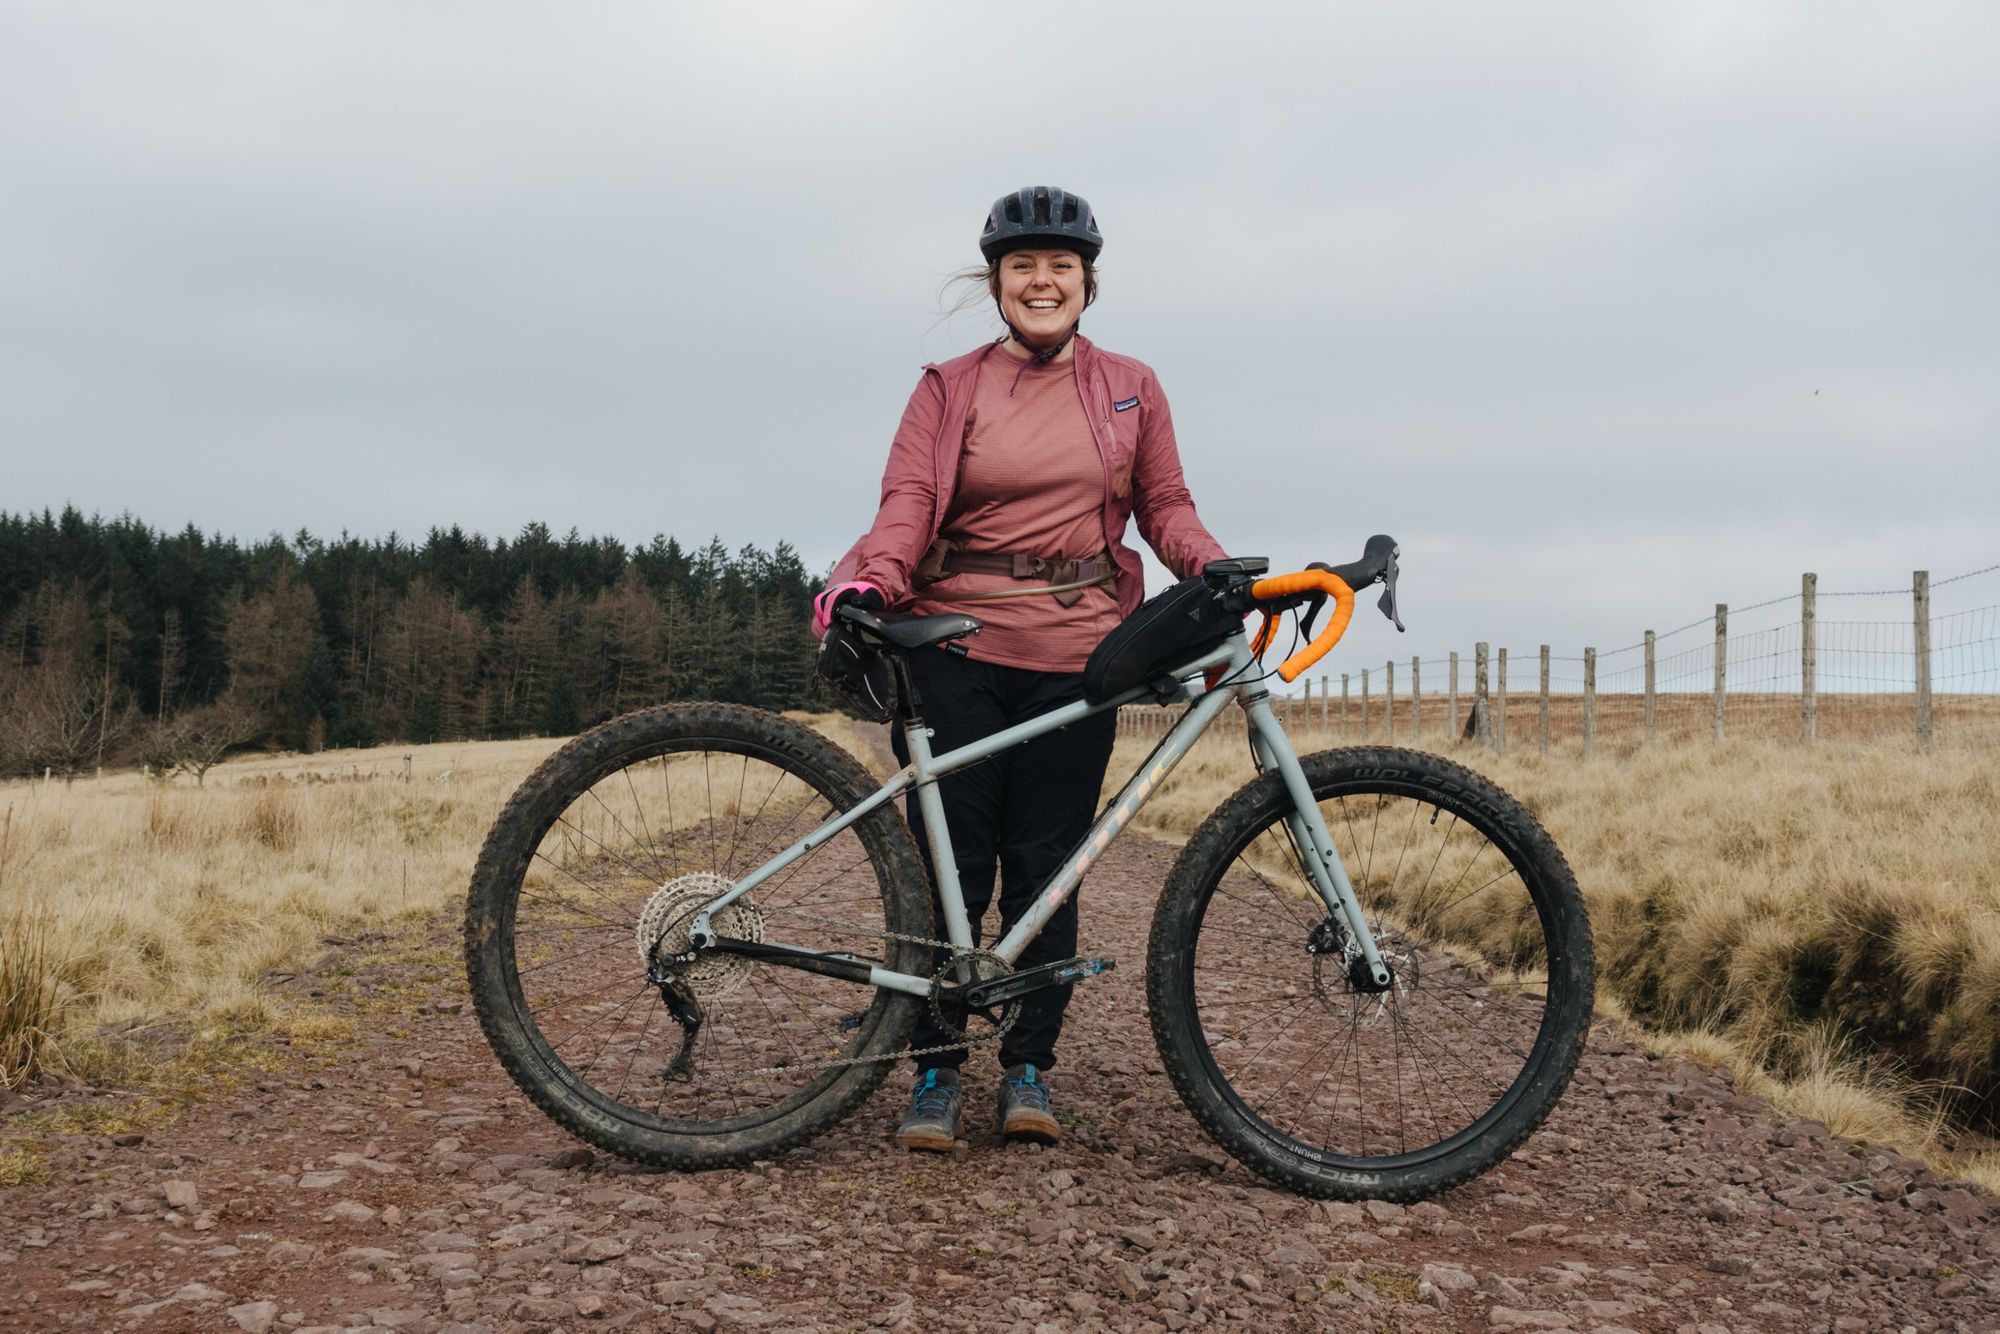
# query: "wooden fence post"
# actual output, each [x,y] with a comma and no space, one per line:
[1416,697]
[1721,664]
[1482,712]
[1920,588]
[1652,698]
[1809,656]
[1590,703]
[1367,719]
[1389,697]
[1325,702]
[1542,718]
[1451,701]
[1500,707]
[1343,704]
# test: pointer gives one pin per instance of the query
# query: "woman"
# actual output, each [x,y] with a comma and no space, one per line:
[1007,492]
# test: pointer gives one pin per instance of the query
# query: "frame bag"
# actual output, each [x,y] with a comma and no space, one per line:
[1163,633]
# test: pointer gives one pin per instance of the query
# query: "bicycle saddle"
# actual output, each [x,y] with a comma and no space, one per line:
[912,632]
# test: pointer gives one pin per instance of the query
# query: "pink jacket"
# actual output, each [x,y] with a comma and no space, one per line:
[1134,431]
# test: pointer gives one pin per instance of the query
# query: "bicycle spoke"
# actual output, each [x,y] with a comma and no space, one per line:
[639,814]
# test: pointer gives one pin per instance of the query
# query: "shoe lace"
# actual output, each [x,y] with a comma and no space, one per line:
[1029,1091]
[933,1099]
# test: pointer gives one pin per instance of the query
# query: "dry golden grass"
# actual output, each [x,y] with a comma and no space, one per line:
[31,996]
[126,902]
[1825,920]
[153,902]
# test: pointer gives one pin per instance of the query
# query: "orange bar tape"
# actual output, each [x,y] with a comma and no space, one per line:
[1307,581]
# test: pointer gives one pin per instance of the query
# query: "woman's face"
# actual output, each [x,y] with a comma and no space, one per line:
[1041,293]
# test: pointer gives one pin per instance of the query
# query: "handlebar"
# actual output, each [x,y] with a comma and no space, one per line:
[1324,582]
[1310,588]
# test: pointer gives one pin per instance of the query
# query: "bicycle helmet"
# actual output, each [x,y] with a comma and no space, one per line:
[1040,215]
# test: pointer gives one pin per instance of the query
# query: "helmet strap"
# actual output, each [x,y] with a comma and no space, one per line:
[1037,357]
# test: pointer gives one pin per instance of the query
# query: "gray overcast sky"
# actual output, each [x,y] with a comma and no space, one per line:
[1607,311]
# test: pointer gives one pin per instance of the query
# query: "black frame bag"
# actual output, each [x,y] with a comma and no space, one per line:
[1163,633]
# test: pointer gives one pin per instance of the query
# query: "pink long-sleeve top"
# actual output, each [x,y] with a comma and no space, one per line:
[1139,477]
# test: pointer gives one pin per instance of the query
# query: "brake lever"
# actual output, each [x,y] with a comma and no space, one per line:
[1313,606]
[1377,565]
[1387,603]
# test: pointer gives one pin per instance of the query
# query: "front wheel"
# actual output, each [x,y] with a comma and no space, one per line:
[1287,1053]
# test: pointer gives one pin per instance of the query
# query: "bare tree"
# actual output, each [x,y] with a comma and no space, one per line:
[172,648]
[56,719]
[270,634]
[196,740]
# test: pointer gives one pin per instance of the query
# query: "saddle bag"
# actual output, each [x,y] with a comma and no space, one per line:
[1166,630]
[857,673]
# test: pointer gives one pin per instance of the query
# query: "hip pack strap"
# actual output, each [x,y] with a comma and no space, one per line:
[1064,578]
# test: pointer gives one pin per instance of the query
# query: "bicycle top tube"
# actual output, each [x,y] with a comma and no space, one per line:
[974,751]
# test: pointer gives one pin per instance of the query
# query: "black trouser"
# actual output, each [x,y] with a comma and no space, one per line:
[1024,808]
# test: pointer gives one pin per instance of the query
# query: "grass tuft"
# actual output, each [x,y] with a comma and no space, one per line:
[23,1163]
[32,997]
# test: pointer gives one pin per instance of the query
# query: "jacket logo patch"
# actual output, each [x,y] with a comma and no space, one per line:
[1128,403]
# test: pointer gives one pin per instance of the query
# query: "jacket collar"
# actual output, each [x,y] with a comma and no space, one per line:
[1086,355]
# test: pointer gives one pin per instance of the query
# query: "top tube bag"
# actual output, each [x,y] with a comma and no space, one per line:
[1163,633]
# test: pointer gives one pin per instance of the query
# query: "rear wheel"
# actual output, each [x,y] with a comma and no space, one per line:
[1285,1051]
[593,874]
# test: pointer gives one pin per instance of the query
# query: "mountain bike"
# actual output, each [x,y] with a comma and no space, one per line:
[700,934]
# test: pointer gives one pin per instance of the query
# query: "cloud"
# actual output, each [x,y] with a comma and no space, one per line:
[1607,311]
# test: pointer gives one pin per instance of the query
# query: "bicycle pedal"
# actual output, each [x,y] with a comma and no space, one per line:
[1061,973]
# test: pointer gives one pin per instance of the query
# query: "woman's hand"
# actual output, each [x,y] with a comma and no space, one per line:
[863,594]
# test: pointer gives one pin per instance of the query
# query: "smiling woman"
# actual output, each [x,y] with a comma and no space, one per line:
[1008,491]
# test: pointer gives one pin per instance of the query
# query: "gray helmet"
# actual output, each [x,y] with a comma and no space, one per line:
[1040,216]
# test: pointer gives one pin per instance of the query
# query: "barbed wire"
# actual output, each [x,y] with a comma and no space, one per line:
[1905,589]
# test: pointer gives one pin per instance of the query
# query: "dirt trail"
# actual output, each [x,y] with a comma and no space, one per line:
[407,1186]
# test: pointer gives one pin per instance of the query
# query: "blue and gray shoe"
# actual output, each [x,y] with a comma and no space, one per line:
[1024,1112]
[931,1126]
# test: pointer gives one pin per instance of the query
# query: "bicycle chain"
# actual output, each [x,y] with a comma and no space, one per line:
[841,1062]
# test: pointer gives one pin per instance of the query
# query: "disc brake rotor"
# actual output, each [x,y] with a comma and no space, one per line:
[1333,984]
[664,923]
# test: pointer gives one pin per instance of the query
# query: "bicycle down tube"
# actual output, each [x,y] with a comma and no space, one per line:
[1322,862]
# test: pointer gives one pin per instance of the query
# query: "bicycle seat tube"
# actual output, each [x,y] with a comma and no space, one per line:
[944,865]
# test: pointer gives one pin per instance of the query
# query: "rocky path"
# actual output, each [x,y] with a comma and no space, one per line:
[407,1186]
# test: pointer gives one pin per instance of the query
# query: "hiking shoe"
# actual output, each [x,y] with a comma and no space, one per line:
[931,1126]
[1024,1112]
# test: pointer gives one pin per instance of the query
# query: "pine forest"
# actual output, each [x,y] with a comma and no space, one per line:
[124,644]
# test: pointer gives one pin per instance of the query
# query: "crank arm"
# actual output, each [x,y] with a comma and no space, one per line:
[1058,974]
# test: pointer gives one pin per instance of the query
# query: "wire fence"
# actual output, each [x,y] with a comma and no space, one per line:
[1919,661]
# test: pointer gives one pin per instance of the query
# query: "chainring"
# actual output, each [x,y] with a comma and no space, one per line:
[661,934]
[986,966]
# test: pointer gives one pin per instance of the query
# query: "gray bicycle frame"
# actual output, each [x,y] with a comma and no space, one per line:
[1273,749]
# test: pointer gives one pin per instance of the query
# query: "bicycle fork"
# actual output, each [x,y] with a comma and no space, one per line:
[1309,834]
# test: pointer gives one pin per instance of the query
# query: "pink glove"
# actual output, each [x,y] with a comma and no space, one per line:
[859,591]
